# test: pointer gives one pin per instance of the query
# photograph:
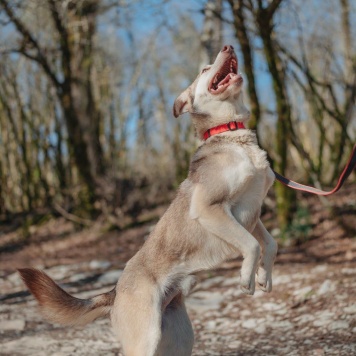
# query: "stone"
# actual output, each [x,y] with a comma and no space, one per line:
[350,310]
[15,279]
[110,277]
[339,325]
[261,329]
[234,344]
[17,325]
[319,268]
[281,279]
[271,306]
[211,324]
[203,301]
[211,282]
[96,264]
[284,324]
[78,277]
[252,323]
[303,292]
[326,287]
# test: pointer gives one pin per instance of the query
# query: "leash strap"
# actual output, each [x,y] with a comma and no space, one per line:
[351,164]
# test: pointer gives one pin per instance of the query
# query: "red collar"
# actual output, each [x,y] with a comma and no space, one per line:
[231,126]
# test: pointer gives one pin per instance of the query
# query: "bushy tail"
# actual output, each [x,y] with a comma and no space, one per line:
[60,307]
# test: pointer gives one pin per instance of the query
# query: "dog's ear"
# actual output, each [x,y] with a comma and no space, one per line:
[183,103]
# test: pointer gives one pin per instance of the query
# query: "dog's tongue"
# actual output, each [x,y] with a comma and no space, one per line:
[226,79]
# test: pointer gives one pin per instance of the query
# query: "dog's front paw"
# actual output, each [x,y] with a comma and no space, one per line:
[264,280]
[247,284]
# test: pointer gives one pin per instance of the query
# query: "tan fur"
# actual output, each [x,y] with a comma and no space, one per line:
[214,216]
[58,306]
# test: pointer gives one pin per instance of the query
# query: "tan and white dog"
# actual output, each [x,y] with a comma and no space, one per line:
[214,216]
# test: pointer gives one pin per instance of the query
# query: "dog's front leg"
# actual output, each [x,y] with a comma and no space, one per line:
[218,220]
[269,252]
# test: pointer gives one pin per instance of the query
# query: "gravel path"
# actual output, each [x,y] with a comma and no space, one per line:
[311,311]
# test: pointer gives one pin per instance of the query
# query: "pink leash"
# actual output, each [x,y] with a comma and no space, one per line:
[305,188]
[235,125]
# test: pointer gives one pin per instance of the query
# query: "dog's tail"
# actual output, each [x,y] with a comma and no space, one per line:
[60,307]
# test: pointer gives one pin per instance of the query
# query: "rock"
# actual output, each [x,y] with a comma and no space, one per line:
[350,310]
[17,325]
[271,306]
[61,272]
[204,301]
[28,345]
[15,279]
[234,344]
[304,318]
[319,269]
[110,277]
[324,318]
[326,287]
[232,281]
[281,279]
[259,293]
[261,329]
[96,264]
[78,277]
[303,292]
[284,324]
[245,312]
[348,271]
[252,323]
[338,325]
[211,324]
[211,282]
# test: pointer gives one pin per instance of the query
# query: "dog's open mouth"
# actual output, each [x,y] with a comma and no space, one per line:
[226,75]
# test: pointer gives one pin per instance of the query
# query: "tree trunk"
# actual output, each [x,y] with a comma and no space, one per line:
[80,110]
[237,8]
[285,196]
[75,25]
[211,37]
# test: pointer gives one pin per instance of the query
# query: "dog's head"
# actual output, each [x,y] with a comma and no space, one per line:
[215,97]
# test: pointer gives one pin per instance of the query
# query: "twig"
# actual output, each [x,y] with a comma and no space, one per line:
[72,217]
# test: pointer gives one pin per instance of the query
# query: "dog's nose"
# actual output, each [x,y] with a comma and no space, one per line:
[227,48]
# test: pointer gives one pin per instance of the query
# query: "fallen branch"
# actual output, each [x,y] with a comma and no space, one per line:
[72,217]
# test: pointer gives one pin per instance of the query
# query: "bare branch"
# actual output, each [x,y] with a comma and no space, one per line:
[63,33]
[71,217]
[272,7]
[27,37]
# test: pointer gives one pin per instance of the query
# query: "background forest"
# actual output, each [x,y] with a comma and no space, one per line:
[87,87]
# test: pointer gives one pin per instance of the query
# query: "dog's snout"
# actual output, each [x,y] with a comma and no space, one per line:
[228,49]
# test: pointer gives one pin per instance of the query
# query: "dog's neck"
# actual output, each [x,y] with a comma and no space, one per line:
[219,113]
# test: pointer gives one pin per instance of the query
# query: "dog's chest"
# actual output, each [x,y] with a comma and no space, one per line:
[246,204]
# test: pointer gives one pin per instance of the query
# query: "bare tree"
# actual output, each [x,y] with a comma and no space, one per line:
[211,36]
[74,25]
[239,15]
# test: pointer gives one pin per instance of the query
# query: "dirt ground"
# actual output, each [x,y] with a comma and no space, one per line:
[311,311]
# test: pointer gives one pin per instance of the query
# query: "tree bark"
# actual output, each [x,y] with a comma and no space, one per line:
[237,8]
[211,36]
[264,21]
[75,27]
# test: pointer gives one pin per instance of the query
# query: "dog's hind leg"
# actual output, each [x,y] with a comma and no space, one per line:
[269,252]
[136,319]
[177,333]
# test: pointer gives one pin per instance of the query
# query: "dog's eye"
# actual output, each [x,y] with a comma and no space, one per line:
[205,70]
